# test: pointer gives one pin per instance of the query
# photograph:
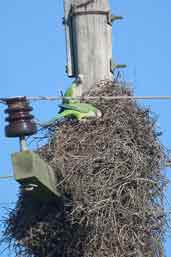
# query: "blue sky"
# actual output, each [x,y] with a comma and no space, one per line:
[32,62]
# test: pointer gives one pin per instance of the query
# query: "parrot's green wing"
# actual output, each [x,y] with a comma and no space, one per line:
[80,107]
[58,117]
[63,115]
[77,110]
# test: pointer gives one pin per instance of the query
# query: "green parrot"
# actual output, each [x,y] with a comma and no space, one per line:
[72,91]
[77,110]
[74,108]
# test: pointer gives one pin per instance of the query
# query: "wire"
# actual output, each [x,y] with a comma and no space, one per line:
[7,177]
[54,98]
[7,203]
[122,97]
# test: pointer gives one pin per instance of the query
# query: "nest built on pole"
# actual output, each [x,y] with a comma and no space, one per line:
[111,184]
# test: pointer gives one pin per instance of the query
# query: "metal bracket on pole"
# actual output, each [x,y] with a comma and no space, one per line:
[35,175]
[108,14]
[116,18]
[114,66]
[112,18]
[67,22]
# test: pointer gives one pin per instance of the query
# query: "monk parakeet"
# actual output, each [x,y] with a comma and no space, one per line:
[74,108]
[77,110]
[72,91]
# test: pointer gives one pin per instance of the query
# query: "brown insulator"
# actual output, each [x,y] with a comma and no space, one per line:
[20,121]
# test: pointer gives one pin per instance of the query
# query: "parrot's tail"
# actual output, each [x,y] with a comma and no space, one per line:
[51,122]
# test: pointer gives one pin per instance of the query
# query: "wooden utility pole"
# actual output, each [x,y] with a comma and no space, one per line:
[88,26]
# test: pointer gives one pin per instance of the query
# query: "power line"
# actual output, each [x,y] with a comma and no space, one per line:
[7,177]
[53,98]
[7,203]
[122,97]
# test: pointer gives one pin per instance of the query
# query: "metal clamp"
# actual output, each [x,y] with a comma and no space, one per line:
[74,12]
[114,66]
[84,4]
[110,18]
[93,12]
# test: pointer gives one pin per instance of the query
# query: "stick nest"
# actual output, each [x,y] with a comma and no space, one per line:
[111,185]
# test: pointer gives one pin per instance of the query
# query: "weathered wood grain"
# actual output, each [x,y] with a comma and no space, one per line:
[89,41]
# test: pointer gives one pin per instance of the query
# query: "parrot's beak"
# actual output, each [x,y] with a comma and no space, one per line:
[80,78]
[99,114]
